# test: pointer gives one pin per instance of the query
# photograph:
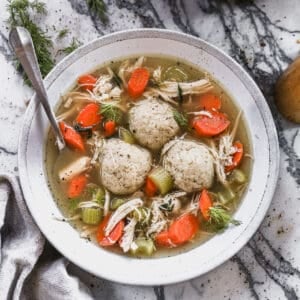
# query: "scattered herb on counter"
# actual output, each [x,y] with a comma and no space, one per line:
[73,46]
[20,15]
[62,33]
[98,7]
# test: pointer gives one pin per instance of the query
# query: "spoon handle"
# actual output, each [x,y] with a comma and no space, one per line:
[21,42]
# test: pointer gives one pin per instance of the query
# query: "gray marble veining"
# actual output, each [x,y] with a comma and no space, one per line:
[261,35]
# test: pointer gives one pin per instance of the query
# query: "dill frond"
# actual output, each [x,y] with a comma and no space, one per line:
[180,118]
[62,33]
[20,12]
[180,94]
[98,7]
[111,112]
[220,217]
[73,46]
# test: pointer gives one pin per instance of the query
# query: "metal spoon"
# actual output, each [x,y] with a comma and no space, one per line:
[21,42]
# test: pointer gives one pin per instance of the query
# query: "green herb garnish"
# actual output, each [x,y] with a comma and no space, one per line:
[62,33]
[111,112]
[20,15]
[73,204]
[180,96]
[98,8]
[73,46]
[117,80]
[220,217]
[181,119]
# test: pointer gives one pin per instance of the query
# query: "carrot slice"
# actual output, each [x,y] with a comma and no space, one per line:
[138,82]
[76,186]
[87,81]
[183,229]
[207,126]
[163,239]
[71,137]
[89,115]
[110,128]
[114,235]
[237,156]
[210,101]
[205,204]
[150,188]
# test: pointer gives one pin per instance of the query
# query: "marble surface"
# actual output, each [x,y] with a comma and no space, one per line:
[262,36]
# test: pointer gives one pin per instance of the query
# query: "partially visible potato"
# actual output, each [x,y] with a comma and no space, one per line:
[287,93]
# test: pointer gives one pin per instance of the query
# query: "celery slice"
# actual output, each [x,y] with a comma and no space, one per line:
[91,216]
[162,179]
[175,73]
[126,135]
[144,247]
[116,202]
[238,176]
[226,195]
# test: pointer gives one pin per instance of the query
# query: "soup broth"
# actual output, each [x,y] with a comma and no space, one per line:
[205,117]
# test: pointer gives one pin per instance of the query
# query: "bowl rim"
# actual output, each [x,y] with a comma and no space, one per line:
[230,63]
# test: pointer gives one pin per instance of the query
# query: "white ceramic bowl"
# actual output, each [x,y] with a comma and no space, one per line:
[162,270]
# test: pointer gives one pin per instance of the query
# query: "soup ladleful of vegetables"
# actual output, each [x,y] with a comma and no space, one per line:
[156,157]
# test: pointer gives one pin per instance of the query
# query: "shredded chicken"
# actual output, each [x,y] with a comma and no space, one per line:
[97,142]
[200,113]
[196,87]
[159,220]
[128,235]
[121,212]
[106,203]
[169,89]
[193,206]
[75,168]
[157,74]
[104,90]
[155,92]
[68,102]
[224,152]
[125,69]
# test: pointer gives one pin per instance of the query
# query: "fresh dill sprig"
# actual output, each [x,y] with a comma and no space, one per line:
[117,79]
[62,33]
[111,112]
[98,7]
[180,95]
[20,12]
[73,46]
[181,119]
[220,218]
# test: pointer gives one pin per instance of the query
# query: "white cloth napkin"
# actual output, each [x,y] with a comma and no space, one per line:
[30,268]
